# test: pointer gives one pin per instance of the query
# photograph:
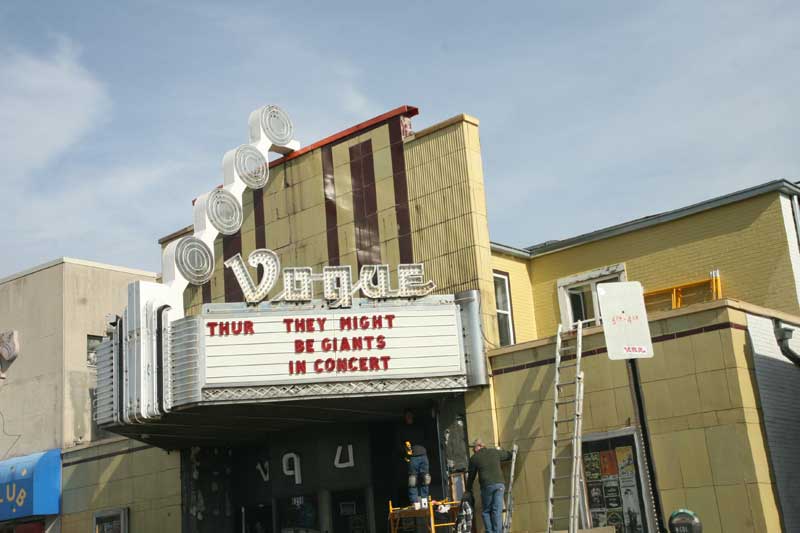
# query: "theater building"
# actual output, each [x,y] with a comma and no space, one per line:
[309,306]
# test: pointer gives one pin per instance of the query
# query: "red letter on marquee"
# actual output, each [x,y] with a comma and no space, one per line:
[248,327]
[211,326]
[288,322]
[299,345]
[385,361]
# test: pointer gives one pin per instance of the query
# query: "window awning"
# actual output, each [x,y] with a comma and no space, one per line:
[30,485]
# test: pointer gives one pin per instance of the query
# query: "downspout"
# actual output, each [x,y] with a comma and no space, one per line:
[783,335]
[796,216]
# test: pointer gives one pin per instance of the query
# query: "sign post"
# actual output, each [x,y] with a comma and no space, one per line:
[627,334]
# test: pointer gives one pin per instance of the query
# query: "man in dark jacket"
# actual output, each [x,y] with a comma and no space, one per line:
[485,464]
[415,454]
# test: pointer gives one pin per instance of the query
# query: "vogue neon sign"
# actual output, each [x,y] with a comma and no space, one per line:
[337,281]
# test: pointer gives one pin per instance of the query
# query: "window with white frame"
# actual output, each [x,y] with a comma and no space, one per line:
[502,298]
[577,294]
[111,521]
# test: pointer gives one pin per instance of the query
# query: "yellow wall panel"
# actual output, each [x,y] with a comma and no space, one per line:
[706,451]
[745,241]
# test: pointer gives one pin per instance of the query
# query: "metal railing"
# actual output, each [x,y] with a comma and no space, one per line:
[713,283]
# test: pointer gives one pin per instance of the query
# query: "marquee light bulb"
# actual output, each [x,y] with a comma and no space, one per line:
[298,284]
[337,283]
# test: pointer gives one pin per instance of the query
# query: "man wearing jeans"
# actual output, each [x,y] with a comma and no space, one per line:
[485,463]
[415,454]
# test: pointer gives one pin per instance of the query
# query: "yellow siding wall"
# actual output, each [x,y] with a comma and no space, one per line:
[450,230]
[122,473]
[701,407]
[519,277]
[746,241]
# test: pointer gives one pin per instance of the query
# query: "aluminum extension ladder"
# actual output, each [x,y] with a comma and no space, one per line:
[566,468]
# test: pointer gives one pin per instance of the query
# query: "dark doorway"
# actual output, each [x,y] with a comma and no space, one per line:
[257,519]
[349,508]
[389,469]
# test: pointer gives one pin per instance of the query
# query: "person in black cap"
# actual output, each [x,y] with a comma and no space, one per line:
[415,454]
[485,464]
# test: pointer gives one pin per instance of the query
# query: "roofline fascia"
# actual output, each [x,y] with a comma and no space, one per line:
[79,262]
[780,186]
[510,250]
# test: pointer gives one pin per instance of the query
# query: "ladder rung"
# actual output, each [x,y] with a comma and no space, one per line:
[562,477]
[560,518]
[566,383]
[570,458]
[563,402]
[563,439]
[570,419]
[561,498]
[568,364]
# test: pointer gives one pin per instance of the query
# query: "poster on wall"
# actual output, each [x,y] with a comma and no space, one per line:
[612,485]
[630,506]
[596,499]
[608,464]
[599,518]
[614,518]
[591,466]
[625,464]
[611,493]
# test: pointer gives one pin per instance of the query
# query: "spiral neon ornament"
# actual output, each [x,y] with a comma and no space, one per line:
[276,125]
[251,166]
[224,211]
[194,260]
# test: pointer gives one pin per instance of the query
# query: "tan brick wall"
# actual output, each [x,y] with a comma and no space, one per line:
[449,226]
[700,400]
[746,241]
[120,473]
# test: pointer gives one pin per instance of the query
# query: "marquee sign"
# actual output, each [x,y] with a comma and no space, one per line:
[325,345]
[321,331]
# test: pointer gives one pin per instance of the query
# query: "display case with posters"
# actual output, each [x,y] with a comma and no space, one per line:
[614,482]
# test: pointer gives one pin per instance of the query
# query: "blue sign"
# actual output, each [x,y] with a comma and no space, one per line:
[30,485]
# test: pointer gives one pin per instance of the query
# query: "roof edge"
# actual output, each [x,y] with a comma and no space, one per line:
[79,262]
[458,119]
[403,110]
[509,250]
[781,185]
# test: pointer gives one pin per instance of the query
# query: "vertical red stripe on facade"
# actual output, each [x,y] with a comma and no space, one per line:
[232,245]
[365,204]
[400,191]
[260,231]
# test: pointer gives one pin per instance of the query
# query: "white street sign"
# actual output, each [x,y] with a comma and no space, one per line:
[625,323]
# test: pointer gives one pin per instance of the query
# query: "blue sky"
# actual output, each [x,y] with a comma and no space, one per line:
[115,115]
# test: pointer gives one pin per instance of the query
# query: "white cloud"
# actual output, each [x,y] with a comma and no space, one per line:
[48,103]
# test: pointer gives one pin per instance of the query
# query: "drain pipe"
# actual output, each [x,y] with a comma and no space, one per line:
[796,213]
[783,334]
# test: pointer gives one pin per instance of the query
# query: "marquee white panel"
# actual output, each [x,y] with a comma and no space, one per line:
[425,340]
